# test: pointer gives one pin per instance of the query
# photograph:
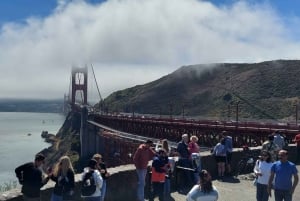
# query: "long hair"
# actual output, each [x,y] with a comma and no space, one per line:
[165,145]
[205,181]
[269,159]
[62,166]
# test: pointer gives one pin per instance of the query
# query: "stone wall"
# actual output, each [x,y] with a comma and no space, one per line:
[122,183]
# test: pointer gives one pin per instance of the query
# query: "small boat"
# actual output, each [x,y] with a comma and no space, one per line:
[28,134]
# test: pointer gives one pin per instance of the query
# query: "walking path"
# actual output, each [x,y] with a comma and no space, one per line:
[240,189]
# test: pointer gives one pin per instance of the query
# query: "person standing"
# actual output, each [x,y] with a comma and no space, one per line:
[229,148]
[279,140]
[170,167]
[262,170]
[283,171]
[141,157]
[30,176]
[184,162]
[297,141]
[204,191]
[194,151]
[104,174]
[271,147]
[158,177]
[63,176]
[91,171]
[220,156]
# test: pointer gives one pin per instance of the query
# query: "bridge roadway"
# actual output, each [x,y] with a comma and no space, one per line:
[240,189]
[133,137]
[250,133]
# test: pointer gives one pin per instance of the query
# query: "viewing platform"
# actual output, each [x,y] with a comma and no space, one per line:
[121,186]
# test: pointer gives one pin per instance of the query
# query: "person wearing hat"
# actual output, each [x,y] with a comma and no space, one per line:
[30,176]
[141,157]
[101,166]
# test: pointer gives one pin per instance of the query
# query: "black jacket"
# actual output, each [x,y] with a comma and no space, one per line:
[63,184]
[31,179]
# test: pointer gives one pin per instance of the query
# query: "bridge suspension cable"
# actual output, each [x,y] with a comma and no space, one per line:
[96,83]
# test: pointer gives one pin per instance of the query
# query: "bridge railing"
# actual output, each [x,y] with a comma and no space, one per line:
[250,133]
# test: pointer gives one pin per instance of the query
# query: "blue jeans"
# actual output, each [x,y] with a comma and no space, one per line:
[92,198]
[196,165]
[141,173]
[158,190]
[281,195]
[55,197]
[167,187]
[103,190]
[262,192]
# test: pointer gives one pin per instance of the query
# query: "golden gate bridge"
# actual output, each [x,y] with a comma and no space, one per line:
[122,132]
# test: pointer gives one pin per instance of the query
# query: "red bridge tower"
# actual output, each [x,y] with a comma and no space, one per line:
[79,83]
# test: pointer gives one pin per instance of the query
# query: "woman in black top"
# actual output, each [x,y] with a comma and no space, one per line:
[63,175]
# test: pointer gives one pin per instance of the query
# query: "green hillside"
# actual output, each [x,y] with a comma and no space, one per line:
[267,90]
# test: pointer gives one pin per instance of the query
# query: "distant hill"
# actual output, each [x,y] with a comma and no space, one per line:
[19,105]
[267,90]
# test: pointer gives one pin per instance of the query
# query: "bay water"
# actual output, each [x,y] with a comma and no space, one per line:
[20,139]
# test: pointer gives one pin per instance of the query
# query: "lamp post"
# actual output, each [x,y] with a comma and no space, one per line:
[296,116]
[228,111]
[237,112]
[132,110]
[171,110]
[159,108]
[182,111]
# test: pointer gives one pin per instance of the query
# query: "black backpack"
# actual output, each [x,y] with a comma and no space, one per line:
[88,186]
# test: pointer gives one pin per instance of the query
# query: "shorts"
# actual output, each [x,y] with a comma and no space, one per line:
[221,159]
[229,156]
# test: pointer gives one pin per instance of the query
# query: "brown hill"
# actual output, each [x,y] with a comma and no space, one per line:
[267,90]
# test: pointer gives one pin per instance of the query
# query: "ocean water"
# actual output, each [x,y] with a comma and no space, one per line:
[20,138]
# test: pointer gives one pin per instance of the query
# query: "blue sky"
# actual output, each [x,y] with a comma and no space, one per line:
[18,10]
[131,42]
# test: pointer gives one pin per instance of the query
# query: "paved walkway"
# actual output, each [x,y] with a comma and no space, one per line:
[240,189]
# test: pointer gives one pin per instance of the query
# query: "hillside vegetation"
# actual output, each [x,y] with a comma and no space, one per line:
[267,90]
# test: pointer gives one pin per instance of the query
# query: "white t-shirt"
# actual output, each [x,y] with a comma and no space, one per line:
[265,169]
[196,194]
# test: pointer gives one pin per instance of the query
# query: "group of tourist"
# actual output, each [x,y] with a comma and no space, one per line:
[280,175]
[273,171]
[32,177]
[188,152]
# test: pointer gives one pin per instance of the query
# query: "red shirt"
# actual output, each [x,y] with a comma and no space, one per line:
[142,156]
[297,139]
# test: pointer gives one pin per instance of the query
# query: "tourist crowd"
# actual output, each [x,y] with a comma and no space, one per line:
[273,171]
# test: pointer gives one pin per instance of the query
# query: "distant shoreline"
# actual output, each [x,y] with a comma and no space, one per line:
[40,106]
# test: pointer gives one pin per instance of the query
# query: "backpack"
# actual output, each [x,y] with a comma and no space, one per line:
[88,186]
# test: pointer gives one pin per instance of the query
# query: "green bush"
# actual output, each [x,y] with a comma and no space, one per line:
[8,186]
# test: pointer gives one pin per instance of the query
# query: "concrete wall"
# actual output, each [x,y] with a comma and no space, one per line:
[122,183]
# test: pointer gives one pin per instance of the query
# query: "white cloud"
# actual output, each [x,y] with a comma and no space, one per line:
[132,42]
